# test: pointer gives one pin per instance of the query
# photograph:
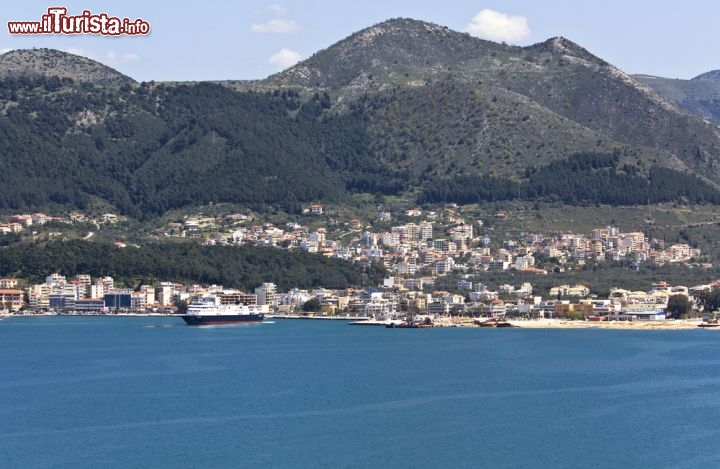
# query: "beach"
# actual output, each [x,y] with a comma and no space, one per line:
[680,324]
[630,325]
[462,322]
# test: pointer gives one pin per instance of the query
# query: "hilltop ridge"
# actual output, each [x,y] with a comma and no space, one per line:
[404,108]
[548,92]
[713,75]
[51,62]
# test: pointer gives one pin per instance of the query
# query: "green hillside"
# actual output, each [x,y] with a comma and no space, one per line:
[232,266]
[149,149]
[403,107]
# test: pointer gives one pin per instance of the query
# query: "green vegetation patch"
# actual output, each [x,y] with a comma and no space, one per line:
[240,267]
[585,178]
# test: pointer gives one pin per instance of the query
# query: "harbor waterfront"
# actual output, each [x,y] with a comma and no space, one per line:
[435,322]
[454,321]
[151,392]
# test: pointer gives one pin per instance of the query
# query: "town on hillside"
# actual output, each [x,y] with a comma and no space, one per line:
[426,246]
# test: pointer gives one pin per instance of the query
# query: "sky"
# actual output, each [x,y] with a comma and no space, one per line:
[239,40]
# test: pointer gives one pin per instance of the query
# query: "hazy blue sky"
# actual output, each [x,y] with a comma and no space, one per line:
[218,40]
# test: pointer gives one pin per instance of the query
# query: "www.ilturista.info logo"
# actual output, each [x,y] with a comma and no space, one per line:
[57,21]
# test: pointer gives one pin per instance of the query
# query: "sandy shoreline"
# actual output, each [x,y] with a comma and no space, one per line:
[458,322]
[629,325]
[558,324]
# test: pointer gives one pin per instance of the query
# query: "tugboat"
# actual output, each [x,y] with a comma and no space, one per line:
[208,310]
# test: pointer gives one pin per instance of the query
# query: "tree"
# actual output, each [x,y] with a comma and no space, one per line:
[181,306]
[710,300]
[311,305]
[678,306]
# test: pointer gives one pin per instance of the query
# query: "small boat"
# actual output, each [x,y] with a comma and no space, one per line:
[492,323]
[410,323]
[709,322]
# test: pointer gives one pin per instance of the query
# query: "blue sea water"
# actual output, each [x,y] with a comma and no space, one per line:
[151,392]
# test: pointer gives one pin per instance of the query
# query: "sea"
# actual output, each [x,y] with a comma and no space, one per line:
[151,392]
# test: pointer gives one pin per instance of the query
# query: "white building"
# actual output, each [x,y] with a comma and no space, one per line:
[462,233]
[425,231]
[164,293]
[444,266]
[379,307]
[266,294]
[55,280]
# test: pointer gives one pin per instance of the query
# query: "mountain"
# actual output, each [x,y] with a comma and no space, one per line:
[399,51]
[50,62]
[700,96]
[434,94]
[713,75]
[402,107]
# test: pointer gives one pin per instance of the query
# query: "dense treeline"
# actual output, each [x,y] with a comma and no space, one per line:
[222,146]
[240,267]
[582,178]
[149,149]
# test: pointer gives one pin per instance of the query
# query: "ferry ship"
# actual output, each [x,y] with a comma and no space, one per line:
[208,310]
